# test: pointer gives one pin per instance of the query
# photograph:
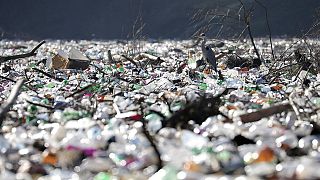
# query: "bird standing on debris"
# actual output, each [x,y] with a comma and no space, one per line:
[207,53]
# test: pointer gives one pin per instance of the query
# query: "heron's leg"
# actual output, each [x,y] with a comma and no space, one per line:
[217,73]
[208,69]
[216,69]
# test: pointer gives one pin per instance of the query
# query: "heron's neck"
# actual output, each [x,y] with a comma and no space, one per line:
[203,44]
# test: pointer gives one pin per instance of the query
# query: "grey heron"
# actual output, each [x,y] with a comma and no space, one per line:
[207,53]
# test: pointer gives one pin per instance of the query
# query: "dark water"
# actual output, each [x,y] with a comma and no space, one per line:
[115,19]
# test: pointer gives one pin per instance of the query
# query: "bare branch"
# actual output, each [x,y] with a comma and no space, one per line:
[11,80]
[247,21]
[80,90]
[255,116]
[268,26]
[11,100]
[31,53]
[47,74]
[154,146]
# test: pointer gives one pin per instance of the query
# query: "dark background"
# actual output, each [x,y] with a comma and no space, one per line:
[114,19]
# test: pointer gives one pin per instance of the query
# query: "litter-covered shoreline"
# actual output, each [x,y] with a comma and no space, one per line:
[153,110]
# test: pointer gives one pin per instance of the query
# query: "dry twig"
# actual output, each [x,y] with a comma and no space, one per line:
[154,146]
[31,53]
[247,21]
[11,100]
[11,80]
[255,116]
[80,90]
[47,74]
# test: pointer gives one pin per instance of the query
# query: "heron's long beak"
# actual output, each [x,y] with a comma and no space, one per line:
[199,37]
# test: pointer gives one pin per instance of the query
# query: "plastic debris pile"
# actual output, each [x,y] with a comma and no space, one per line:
[150,111]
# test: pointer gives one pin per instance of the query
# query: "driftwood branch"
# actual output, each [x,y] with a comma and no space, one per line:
[29,54]
[80,90]
[98,69]
[47,74]
[10,101]
[130,60]
[41,105]
[14,81]
[152,143]
[256,116]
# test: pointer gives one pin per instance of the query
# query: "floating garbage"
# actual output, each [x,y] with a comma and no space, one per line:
[73,60]
[107,110]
